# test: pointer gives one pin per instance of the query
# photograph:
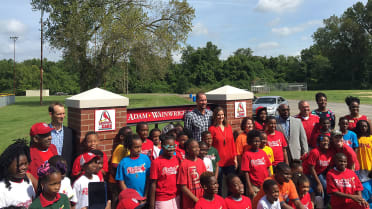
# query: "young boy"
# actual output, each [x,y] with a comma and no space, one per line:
[210,199]
[188,177]
[255,164]
[340,146]
[41,148]
[277,142]
[142,130]
[212,152]
[350,137]
[88,162]
[236,200]
[203,153]
[163,175]
[271,198]
[344,186]
[133,170]
[267,149]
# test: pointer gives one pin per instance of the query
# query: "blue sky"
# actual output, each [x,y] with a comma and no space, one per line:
[268,27]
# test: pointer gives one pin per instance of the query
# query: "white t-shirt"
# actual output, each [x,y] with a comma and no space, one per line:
[156,152]
[81,190]
[208,164]
[265,204]
[20,194]
[67,189]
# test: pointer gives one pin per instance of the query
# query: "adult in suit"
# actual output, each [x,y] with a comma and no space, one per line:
[62,136]
[293,131]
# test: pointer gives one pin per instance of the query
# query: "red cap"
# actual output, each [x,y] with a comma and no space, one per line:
[259,108]
[87,157]
[129,194]
[40,128]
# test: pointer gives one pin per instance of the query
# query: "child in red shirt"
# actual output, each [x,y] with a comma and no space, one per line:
[340,146]
[189,175]
[303,187]
[155,138]
[236,200]
[182,137]
[322,129]
[277,142]
[163,175]
[210,199]
[41,149]
[142,130]
[255,164]
[344,186]
[89,143]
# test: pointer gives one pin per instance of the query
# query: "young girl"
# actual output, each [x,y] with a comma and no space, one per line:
[163,175]
[182,137]
[261,115]
[303,186]
[269,152]
[119,138]
[133,170]
[41,147]
[246,126]
[89,143]
[189,175]
[271,198]
[350,138]
[142,130]
[203,155]
[155,138]
[15,186]
[323,129]
[277,142]
[59,162]
[210,199]
[344,186]
[49,184]
[236,200]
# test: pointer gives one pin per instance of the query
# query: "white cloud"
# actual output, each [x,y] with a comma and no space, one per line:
[176,56]
[277,5]
[274,22]
[267,45]
[286,31]
[199,29]
[12,27]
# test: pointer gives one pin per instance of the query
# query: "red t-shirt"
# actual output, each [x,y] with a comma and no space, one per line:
[305,200]
[224,143]
[76,168]
[309,124]
[313,141]
[39,157]
[259,126]
[342,181]
[217,203]
[245,203]
[353,121]
[277,142]
[180,154]
[318,159]
[256,164]
[189,175]
[350,155]
[165,172]
[147,148]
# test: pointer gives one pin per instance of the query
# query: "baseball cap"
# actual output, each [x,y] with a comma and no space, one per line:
[87,157]
[260,108]
[336,133]
[40,128]
[129,199]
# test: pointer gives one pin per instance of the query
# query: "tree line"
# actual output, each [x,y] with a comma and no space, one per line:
[107,51]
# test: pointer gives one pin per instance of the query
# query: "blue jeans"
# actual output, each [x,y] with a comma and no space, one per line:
[314,183]
[224,171]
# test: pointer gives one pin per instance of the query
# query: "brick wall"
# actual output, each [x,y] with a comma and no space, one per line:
[82,121]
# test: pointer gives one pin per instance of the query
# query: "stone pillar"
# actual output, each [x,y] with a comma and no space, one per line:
[226,97]
[81,115]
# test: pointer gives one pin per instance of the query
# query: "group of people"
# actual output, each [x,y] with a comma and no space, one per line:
[275,162]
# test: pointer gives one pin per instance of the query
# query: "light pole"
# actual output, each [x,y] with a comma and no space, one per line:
[14,38]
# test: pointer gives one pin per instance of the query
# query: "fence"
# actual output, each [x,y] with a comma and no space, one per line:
[268,87]
[6,99]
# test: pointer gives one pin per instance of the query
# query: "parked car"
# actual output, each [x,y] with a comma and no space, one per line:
[61,94]
[270,102]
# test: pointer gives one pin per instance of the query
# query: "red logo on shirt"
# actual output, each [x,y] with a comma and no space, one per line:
[136,169]
[194,175]
[85,191]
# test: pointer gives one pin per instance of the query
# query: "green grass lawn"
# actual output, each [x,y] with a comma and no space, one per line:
[17,119]
[365,96]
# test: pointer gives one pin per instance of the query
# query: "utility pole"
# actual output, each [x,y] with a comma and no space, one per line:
[14,38]
[41,56]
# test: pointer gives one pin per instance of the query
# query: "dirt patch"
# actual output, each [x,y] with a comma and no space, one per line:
[368,92]
[366,96]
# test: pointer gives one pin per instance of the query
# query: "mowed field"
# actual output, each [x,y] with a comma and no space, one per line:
[17,119]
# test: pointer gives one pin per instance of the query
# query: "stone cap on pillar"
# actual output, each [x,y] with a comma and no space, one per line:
[96,98]
[228,93]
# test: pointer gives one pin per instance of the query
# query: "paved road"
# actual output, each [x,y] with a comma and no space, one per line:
[340,109]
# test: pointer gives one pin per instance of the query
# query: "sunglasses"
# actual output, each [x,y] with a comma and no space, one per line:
[169,147]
